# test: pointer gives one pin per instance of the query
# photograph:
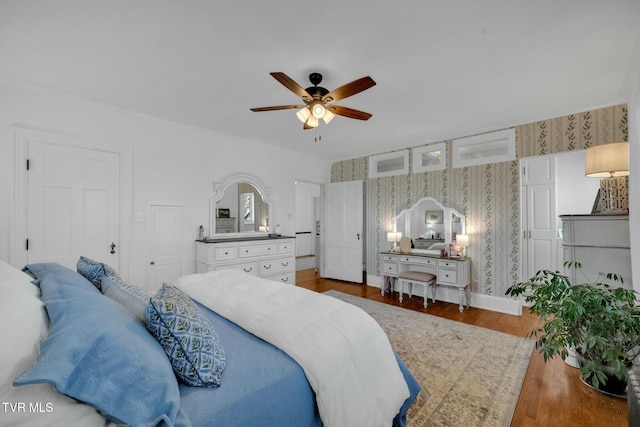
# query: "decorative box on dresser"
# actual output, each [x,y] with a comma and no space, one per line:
[453,272]
[601,243]
[272,258]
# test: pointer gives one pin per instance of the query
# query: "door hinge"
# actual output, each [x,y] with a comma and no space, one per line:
[27,164]
[27,244]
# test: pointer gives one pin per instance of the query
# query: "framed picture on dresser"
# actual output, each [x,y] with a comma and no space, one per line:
[222,213]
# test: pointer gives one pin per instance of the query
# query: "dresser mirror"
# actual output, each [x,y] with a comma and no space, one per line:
[240,206]
[429,220]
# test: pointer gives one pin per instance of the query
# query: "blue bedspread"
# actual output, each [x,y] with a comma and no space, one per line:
[261,386]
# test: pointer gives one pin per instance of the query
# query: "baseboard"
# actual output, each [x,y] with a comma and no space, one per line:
[485,302]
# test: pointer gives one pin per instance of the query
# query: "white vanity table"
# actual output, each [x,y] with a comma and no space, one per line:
[420,222]
[454,272]
[272,258]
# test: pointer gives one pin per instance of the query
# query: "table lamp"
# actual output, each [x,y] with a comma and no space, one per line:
[393,237]
[611,163]
[462,240]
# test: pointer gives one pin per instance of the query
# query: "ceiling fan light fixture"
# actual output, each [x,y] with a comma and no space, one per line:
[328,116]
[303,114]
[317,109]
[312,121]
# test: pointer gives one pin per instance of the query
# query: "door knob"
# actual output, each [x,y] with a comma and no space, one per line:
[152,263]
[113,248]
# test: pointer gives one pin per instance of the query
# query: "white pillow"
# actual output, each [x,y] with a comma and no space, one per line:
[23,324]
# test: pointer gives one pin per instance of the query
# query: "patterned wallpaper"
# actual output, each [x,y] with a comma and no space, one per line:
[489,195]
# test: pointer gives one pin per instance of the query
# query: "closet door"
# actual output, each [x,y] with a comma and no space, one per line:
[538,215]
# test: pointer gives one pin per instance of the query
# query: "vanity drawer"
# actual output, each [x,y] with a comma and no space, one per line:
[418,260]
[276,265]
[389,258]
[390,268]
[453,265]
[246,251]
[285,247]
[248,267]
[448,276]
[225,253]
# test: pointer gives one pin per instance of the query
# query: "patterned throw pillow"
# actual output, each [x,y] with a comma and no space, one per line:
[92,270]
[187,337]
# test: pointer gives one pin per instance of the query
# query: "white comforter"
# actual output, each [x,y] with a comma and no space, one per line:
[345,354]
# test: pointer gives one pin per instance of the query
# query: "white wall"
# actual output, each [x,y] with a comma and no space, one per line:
[171,163]
[634,168]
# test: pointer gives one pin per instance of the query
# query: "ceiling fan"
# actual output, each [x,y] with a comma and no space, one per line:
[318,101]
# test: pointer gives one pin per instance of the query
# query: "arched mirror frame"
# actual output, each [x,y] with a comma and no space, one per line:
[447,219]
[219,189]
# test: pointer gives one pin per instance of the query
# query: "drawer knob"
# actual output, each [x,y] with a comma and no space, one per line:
[285,279]
[284,264]
[247,270]
[266,267]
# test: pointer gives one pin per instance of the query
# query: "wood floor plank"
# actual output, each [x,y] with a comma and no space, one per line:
[552,394]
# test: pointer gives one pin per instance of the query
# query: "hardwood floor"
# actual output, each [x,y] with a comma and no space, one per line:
[552,394]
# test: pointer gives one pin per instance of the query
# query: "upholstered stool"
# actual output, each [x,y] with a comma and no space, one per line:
[411,278]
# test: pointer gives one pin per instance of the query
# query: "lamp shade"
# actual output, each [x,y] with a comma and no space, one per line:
[607,160]
[303,114]
[462,239]
[393,236]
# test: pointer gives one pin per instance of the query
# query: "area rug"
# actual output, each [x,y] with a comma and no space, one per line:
[470,376]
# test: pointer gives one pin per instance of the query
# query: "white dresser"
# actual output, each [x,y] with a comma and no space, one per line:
[270,258]
[601,243]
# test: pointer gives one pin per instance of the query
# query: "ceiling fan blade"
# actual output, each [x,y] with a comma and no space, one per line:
[277,107]
[349,112]
[290,84]
[349,89]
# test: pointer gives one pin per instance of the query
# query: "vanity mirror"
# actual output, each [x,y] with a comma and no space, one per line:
[244,201]
[429,221]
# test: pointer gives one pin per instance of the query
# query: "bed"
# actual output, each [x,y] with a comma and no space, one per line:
[63,335]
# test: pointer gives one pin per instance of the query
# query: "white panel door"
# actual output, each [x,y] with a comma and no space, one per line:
[541,229]
[343,231]
[73,205]
[165,249]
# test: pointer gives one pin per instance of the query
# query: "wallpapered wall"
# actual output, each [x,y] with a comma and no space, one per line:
[489,195]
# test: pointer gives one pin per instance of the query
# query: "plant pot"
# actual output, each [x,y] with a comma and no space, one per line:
[614,386]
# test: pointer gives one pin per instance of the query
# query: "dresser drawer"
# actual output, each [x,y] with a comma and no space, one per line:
[285,247]
[248,267]
[246,251]
[283,278]
[390,268]
[276,265]
[225,253]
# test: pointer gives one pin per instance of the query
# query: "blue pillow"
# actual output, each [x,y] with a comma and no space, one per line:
[98,353]
[59,275]
[130,296]
[187,337]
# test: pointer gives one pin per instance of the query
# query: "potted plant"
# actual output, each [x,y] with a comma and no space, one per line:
[601,322]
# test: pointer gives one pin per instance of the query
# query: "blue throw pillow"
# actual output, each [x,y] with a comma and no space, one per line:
[91,269]
[187,337]
[98,353]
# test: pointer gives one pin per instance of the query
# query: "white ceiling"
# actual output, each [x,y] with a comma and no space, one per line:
[444,69]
